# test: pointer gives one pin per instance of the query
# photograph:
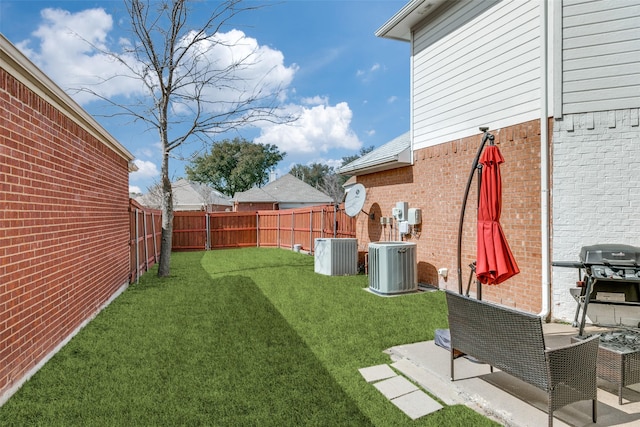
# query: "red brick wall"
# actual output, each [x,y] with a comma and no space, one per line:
[436,185]
[253,207]
[64,228]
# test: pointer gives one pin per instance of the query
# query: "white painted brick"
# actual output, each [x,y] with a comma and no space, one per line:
[595,189]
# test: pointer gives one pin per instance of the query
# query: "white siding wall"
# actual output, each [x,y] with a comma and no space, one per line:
[477,64]
[601,55]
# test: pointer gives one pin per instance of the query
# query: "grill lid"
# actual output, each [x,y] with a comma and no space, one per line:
[610,254]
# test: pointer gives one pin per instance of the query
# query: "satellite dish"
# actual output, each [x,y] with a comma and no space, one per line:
[355,200]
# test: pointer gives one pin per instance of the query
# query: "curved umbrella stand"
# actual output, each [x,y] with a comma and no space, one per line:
[494,261]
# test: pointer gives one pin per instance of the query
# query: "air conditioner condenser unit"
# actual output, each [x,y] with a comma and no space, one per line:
[336,257]
[392,267]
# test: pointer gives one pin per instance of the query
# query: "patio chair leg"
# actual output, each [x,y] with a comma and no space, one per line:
[594,410]
[550,418]
[451,367]
[620,394]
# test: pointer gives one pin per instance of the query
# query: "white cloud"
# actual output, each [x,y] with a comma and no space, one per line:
[65,51]
[367,75]
[135,189]
[315,100]
[392,99]
[318,130]
[146,169]
[244,67]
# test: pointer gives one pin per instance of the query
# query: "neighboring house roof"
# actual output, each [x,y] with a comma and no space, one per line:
[286,189]
[254,195]
[394,154]
[188,194]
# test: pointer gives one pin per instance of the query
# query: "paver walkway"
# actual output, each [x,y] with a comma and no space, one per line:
[400,391]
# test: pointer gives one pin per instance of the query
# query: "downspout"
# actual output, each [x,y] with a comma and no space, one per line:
[544,164]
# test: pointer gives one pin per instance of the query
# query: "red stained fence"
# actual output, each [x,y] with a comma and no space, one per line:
[145,227]
[219,230]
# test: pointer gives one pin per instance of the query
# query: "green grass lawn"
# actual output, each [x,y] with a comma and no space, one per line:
[246,337]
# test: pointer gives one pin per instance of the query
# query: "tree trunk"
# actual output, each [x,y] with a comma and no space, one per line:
[167,220]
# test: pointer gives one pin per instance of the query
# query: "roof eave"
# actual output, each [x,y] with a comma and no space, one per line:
[25,71]
[400,25]
[400,160]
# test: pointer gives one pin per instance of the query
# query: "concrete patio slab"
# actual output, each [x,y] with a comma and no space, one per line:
[504,398]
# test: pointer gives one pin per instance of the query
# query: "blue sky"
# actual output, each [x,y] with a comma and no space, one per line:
[349,88]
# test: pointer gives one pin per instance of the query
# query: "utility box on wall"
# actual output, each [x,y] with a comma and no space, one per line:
[414,216]
[336,257]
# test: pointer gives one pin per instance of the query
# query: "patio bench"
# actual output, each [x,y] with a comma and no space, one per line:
[513,342]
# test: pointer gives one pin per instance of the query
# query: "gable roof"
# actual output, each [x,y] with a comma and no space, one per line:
[286,189]
[188,193]
[394,154]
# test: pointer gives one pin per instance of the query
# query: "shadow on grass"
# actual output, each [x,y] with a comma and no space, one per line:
[186,350]
[271,374]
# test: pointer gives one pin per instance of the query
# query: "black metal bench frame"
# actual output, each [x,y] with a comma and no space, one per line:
[513,342]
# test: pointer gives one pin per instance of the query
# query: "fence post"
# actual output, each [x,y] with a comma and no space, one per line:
[257,229]
[310,229]
[137,250]
[153,230]
[278,238]
[335,220]
[146,249]
[293,228]
[207,230]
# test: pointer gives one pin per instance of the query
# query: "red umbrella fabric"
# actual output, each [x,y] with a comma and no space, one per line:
[494,262]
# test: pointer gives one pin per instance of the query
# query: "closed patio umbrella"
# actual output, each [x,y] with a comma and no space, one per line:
[494,261]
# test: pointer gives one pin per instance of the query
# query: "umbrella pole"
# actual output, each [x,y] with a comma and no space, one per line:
[478,283]
[486,136]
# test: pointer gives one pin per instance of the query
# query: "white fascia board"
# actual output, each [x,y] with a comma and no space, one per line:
[399,26]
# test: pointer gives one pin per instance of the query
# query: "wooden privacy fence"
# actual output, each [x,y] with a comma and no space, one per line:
[145,227]
[289,228]
[282,228]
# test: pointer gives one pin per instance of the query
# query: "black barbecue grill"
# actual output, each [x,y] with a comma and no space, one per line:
[609,282]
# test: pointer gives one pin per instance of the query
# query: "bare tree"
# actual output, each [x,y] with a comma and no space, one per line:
[332,186]
[189,94]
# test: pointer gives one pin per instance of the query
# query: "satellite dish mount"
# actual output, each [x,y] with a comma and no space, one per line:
[354,201]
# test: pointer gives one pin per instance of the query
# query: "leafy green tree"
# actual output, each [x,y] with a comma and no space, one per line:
[235,165]
[313,174]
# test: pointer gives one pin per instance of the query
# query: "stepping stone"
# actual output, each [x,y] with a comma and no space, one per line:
[416,404]
[395,387]
[377,373]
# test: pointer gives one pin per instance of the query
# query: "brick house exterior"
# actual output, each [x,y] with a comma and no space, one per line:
[561,97]
[64,222]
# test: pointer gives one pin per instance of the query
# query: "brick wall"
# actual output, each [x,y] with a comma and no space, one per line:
[435,184]
[596,190]
[254,206]
[64,228]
